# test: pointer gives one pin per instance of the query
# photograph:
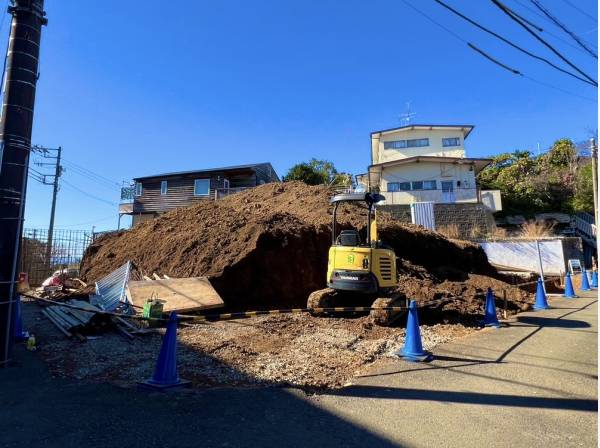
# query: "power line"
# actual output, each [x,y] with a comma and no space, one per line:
[503,39]
[88,194]
[513,17]
[495,61]
[88,222]
[580,10]
[90,172]
[471,46]
[555,36]
[106,184]
[576,38]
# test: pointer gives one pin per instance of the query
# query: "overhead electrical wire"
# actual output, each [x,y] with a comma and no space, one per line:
[563,27]
[70,185]
[507,41]
[580,10]
[89,222]
[106,184]
[555,36]
[516,19]
[487,56]
[91,173]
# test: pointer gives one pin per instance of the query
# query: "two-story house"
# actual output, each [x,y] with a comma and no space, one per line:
[151,195]
[426,163]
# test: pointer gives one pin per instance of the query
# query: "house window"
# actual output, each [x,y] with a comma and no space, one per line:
[226,184]
[396,144]
[398,186]
[451,141]
[417,185]
[429,185]
[412,143]
[163,187]
[417,142]
[201,187]
[138,189]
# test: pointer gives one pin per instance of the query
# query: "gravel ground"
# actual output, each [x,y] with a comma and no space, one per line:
[292,350]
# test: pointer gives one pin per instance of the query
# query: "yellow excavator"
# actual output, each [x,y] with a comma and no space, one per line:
[359,270]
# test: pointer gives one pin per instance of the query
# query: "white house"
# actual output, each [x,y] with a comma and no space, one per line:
[426,163]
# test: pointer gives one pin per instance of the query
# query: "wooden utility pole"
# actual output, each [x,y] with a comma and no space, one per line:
[20,80]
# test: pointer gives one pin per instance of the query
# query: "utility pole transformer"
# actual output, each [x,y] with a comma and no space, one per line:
[20,79]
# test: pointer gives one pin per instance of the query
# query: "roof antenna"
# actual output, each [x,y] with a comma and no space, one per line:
[406,116]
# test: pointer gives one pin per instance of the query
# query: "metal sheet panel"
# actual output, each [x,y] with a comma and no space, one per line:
[110,290]
[422,214]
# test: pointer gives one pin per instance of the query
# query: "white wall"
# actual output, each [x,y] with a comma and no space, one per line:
[435,147]
[429,171]
[523,255]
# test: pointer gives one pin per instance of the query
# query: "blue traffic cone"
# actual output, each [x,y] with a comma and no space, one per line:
[490,319]
[569,291]
[585,284]
[541,302]
[594,279]
[413,348]
[165,374]
[19,334]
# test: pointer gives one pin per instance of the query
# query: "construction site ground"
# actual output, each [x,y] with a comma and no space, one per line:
[286,350]
[532,382]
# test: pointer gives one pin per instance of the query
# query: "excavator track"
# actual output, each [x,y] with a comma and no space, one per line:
[323,298]
[384,318]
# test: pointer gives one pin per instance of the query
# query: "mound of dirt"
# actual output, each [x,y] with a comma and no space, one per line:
[267,247]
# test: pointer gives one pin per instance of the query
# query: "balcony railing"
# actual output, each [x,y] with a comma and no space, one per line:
[220,193]
[436,196]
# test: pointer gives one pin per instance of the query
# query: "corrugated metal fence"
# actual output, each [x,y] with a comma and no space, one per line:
[422,214]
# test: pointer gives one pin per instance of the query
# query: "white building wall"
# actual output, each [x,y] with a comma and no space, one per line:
[435,148]
[462,178]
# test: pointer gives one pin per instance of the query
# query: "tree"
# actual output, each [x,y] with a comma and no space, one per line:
[317,172]
[556,181]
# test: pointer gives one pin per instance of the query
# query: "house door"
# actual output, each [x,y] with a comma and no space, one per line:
[448,191]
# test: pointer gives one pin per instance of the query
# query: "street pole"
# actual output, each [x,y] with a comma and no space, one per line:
[595,177]
[20,80]
[57,174]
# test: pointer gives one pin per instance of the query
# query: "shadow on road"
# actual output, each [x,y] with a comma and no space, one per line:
[444,396]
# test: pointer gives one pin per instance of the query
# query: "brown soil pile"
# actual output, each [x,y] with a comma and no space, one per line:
[267,247]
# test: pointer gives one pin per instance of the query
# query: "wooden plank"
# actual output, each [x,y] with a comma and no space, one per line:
[156,276]
[179,294]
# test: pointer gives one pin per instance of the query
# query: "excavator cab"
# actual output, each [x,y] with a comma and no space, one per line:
[358,265]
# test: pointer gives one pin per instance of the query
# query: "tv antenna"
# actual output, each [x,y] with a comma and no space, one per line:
[406,116]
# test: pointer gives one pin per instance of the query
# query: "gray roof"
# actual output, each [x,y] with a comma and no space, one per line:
[468,127]
[249,166]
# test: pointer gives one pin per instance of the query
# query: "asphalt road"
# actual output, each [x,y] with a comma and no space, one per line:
[532,383]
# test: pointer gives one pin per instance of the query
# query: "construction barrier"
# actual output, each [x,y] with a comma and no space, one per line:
[541,301]
[190,319]
[413,347]
[165,373]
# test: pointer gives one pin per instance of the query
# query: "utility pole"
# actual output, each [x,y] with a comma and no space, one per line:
[57,174]
[594,149]
[20,80]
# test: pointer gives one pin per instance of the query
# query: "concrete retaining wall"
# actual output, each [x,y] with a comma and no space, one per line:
[471,220]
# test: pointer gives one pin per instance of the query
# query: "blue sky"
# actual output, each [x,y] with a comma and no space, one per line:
[130,90]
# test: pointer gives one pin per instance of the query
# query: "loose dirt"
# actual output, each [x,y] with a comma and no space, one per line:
[267,247]
[282,350]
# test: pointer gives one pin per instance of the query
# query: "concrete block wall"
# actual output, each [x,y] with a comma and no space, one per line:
[471,220]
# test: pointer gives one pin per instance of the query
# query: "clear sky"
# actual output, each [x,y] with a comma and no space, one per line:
[142,87]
